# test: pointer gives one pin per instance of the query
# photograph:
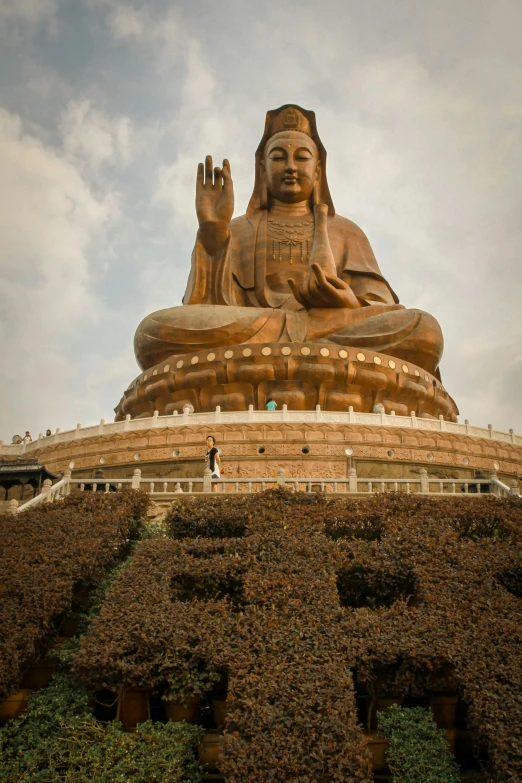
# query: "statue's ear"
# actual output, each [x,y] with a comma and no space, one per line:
[317,184]
[263,196]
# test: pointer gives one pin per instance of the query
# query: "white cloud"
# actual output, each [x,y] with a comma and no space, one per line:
[48,220]
[94,137]
[162,32]
[27,15]
[127,22]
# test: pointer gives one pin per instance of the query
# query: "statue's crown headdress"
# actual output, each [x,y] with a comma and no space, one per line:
[290,118]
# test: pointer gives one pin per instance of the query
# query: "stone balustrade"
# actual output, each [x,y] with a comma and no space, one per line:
[352,485]
[256,416]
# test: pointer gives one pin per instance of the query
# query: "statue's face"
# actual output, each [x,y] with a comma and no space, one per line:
[292,167]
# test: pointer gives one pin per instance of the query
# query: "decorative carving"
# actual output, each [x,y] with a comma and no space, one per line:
[299,381]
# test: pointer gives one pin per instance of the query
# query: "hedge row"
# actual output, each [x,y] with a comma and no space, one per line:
[305,598]
[46,554]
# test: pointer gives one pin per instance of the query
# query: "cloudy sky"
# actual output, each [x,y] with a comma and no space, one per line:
[106,107]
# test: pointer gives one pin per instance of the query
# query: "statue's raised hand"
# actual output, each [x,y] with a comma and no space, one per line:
[214,204]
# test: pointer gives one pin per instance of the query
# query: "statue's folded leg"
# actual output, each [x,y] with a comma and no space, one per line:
[199,327]
[412,335]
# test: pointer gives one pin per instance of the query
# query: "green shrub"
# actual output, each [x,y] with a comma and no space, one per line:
[417,750]
[57,740]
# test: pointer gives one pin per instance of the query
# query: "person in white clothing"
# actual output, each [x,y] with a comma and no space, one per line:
[212,459]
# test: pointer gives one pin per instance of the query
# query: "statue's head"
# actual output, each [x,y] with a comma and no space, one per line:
[290,161]
[291,166]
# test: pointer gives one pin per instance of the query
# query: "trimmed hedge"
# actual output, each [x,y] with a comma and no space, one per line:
[45,554]
[404,594]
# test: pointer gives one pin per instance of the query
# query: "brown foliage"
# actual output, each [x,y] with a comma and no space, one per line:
[47,552]
[405,591]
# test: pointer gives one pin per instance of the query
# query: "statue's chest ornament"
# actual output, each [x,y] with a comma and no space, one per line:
[291,240]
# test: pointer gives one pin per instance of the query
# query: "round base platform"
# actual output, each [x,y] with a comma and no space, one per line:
[300,375]
[256,444]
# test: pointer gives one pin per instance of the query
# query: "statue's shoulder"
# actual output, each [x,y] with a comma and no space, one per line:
[241,223]
[343,225]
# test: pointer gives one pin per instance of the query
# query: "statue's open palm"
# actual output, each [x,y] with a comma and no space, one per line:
[214,194]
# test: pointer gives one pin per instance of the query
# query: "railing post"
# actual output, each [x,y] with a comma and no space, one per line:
[514,488]
[250,412]
[351,414]
[413,419]
[67,479]
[318,413]
[424,481]
[217,413]
[280,477]
[512,434]
[466,424]
[126,423]
[136,479]
[178,489]
[442,423]
[101,426]
[207,480]
[490,428]
[352,480]
[46,490]
[284,411]
[155,418]
[493,487]
[12,506]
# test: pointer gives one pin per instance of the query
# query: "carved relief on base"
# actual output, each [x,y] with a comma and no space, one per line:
[282,444]
[299,375]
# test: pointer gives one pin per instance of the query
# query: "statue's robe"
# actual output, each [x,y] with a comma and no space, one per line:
[241,295]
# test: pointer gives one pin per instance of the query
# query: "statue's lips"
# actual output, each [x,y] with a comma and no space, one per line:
[290,180]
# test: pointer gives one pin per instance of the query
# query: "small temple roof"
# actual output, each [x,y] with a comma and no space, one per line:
[17,471]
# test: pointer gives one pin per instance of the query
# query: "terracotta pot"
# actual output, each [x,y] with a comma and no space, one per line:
[14,705]
[208,749]
[190,712]
[39,674]
[220,712]
[377,747]
[444,709]
[134,707]
[451,736]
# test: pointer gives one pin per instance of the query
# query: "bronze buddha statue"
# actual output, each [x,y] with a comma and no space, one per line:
[291,269]
[274,292]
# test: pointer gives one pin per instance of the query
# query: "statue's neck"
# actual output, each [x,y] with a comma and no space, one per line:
[282,209]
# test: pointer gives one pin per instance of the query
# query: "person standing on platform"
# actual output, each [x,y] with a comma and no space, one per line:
[271,404]
[212,459]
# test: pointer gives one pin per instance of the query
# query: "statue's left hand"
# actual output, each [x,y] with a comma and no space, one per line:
[322,290]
